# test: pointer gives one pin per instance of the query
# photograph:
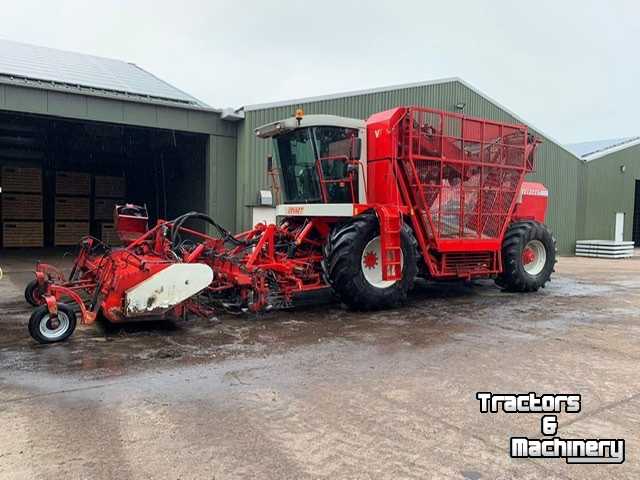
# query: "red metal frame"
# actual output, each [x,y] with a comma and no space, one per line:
[82,279]
[253,269]
[461,177]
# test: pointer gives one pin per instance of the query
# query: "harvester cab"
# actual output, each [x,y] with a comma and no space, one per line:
[320,160]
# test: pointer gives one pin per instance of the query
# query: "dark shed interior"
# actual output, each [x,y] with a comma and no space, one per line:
[162,169]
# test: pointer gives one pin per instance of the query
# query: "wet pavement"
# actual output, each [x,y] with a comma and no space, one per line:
[319,392]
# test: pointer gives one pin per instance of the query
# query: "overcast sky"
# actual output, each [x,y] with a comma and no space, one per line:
[568,67]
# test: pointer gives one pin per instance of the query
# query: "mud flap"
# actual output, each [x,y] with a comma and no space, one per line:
[167,288]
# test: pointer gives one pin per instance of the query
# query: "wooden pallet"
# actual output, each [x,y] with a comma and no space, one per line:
[73,183]
[22,234]
[103,208]
[22,179]
[109,235]
[70,233]
[110,187]
[73,208]
[21,206]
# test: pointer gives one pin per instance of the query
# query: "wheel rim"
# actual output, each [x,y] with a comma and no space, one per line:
[371,264]
[47,329]
[534,257]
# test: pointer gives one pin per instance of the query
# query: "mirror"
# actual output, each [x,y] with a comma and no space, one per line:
[269,163]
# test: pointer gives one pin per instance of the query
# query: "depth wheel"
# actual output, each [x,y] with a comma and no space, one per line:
[528,257]
[45,329]
[33,294]
[352,264]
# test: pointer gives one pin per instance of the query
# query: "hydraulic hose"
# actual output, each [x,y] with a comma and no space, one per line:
[179,221]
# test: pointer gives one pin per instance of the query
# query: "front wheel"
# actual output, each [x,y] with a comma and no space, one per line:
[528,257]
[33,294]
[353,264]
[46,329]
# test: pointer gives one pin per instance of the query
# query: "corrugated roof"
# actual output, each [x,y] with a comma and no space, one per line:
[30,64]
[298,101]
[599,148]
[352,93]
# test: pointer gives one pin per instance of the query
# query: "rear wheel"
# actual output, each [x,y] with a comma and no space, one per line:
[528,257]
[353,265]
[47,329]
[33,294]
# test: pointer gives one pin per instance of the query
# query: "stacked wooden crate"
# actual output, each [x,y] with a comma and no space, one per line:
[73,183]
[22,234]
[21,206]
[109,191]
[22,224]
[72,207]
[70,233]
[22,179]
[103,209]
[109,187]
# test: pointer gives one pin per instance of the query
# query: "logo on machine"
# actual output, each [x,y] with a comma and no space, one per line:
[377,132]
[535,191]
[295,210]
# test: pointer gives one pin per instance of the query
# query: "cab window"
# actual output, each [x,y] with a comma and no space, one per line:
[299,177]
[335,148]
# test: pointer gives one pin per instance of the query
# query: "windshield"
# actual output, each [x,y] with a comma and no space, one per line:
[298,171]
[303,152]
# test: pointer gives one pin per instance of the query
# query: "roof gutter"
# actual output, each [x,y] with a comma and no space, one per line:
[100,93]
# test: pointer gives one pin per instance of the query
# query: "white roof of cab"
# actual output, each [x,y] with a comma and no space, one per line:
[291,123]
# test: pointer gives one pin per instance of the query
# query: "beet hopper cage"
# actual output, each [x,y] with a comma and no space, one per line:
[462,176]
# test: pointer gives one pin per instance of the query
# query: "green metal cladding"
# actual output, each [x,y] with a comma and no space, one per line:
[610,190]
[221,177]
[558,169]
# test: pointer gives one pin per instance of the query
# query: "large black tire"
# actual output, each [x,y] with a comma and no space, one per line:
[343,257]
[32,294]
[518,276]
[41,329]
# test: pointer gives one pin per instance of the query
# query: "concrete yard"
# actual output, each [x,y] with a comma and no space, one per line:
[319,392]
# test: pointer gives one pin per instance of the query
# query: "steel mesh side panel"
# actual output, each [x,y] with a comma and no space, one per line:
[465,171]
